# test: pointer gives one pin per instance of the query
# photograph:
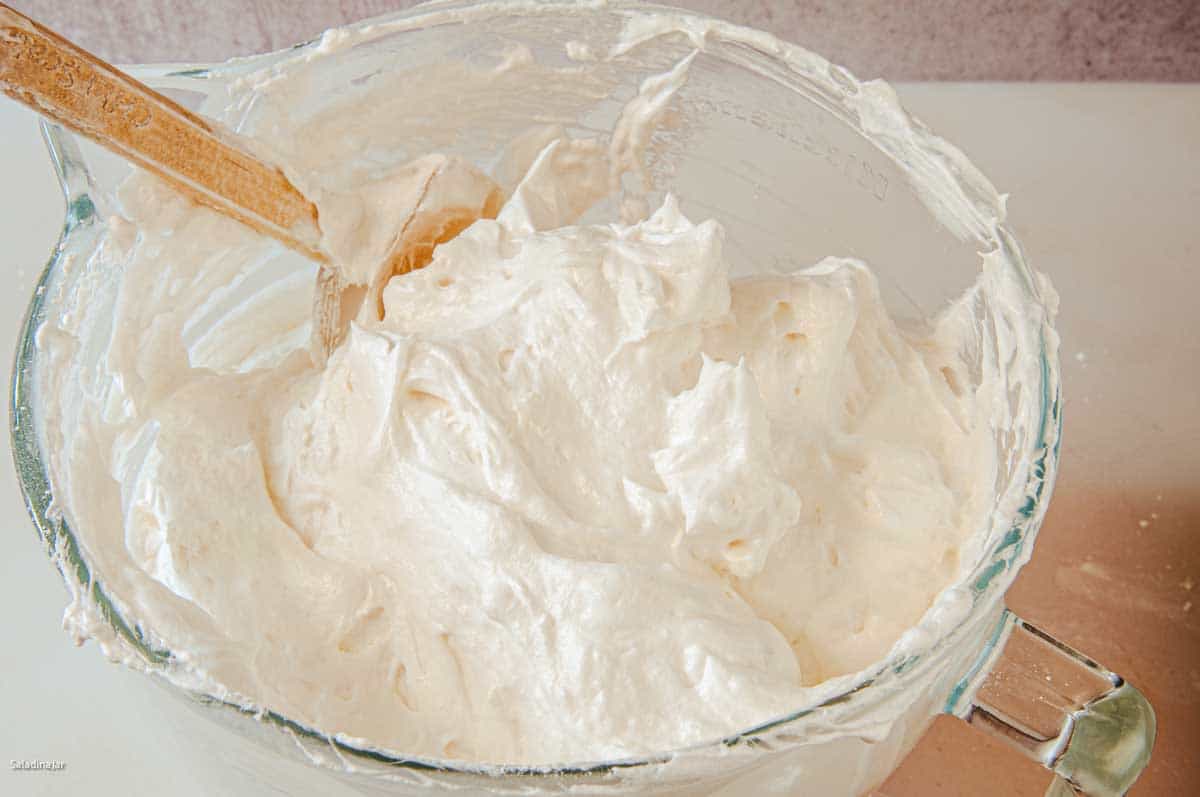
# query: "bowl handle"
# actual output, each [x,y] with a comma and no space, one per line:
[1063,710]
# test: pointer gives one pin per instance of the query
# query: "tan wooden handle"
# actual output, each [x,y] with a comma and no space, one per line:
[69,85]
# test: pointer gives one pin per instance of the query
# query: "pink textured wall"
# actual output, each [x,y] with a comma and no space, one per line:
[897,39]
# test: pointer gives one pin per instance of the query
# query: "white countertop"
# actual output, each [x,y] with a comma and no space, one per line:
[1105,185]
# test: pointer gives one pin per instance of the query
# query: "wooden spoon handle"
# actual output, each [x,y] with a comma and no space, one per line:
[69,85]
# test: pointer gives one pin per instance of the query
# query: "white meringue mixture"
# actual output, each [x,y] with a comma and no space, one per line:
[568,493]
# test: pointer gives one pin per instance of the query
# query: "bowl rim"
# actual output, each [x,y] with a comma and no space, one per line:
[987,581]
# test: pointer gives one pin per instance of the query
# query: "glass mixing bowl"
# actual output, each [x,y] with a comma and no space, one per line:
[797,159]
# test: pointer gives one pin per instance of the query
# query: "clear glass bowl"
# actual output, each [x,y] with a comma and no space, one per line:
[798,160]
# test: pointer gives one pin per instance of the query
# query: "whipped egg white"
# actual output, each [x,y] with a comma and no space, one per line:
[569,492]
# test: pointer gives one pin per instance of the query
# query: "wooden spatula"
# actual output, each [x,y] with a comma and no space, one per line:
[69,85]
[66,83]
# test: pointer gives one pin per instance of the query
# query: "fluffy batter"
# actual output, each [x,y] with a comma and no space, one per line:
[567,493]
